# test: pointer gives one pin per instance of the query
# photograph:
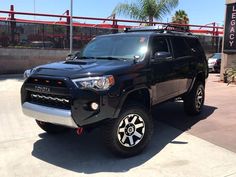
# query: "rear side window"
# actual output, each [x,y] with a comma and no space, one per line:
[195,45]
[180,47]
[159,44]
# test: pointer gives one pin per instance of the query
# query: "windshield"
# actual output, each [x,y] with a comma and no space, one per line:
[118,46]
[216,55]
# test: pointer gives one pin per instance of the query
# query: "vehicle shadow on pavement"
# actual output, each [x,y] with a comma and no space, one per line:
[172,113]
[87,154]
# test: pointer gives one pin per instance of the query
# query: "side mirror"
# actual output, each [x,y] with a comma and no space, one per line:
[162,55]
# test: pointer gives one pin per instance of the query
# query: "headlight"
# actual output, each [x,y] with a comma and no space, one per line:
[28,73]
[97,83]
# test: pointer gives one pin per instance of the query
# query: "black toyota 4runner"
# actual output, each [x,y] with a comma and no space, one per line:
[114,82]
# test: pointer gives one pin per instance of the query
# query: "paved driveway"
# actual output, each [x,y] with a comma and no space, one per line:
[199,147]
[217,124]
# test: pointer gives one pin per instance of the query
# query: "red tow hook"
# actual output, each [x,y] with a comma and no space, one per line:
[79,130]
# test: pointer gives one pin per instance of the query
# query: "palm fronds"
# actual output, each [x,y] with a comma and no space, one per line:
[146,10]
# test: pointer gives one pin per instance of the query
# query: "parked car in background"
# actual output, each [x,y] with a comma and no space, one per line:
[42,44]
[214,62]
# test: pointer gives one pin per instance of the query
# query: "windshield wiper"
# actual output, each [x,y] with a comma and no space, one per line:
[84,57]
[111,58]
[88,57]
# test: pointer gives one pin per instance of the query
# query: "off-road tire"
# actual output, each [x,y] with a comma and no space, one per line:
[129,124]
[194,101]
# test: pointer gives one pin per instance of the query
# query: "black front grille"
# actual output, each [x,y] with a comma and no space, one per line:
[47,82]
[57,101]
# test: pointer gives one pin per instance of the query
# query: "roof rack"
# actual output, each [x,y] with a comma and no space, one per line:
[170,28]
[146,28]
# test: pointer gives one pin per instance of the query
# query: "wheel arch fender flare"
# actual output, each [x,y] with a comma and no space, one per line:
[127,93]
[197,77]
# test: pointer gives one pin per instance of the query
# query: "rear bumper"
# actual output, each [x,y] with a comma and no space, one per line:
[49,114]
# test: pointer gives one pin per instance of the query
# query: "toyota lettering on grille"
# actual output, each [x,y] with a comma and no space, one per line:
[42,89]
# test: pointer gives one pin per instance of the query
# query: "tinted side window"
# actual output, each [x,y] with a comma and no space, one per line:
[180,47]
[195,44]
[159,44]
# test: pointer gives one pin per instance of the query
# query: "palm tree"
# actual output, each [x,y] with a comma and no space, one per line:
[146,10]
[180,17]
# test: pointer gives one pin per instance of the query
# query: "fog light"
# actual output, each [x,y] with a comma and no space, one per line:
[94,106]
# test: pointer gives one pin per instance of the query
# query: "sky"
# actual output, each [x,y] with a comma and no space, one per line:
[200,12]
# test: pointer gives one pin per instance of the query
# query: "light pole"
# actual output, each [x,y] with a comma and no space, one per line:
[71,26]
[34,8]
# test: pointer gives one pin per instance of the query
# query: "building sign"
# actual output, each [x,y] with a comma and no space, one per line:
[230,29]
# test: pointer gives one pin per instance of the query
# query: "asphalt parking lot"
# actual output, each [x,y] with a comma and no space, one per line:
[202,146]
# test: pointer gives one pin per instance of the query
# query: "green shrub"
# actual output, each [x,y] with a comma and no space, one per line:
[231,74]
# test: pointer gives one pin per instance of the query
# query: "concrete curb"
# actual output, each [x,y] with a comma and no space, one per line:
[11,76]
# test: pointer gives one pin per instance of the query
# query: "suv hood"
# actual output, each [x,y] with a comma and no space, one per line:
[83,68]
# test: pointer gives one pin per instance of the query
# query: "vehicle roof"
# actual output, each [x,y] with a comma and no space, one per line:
[216,56]
[151,33]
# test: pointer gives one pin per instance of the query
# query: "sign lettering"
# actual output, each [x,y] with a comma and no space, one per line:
[230,29]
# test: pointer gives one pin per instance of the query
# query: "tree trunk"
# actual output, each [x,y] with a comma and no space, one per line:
[150,20]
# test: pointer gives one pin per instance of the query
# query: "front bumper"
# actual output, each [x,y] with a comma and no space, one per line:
[73,107]
[48,114]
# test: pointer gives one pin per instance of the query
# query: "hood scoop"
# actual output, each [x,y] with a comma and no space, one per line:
[81,62]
